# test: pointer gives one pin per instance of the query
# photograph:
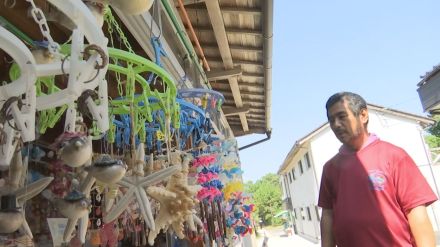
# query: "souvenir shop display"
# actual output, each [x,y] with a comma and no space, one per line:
[99,146]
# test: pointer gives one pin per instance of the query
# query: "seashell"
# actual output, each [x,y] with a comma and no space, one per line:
[10,216]
[132,7]
[107,170]
[10,221]
[73,209]
[77,151]
[74,205]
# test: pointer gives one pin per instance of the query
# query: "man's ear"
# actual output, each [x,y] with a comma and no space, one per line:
[363,116]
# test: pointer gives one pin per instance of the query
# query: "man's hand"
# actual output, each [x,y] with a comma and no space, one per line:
[421,227]
[327,239]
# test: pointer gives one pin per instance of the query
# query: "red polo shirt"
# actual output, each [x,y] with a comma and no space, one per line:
[370,192]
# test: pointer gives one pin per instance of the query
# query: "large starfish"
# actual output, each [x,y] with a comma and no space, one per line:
[82,211]
[177,201]
[103,169]
[23,192]
[136,184]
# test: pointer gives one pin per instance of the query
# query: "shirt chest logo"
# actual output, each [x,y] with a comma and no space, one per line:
[377,179]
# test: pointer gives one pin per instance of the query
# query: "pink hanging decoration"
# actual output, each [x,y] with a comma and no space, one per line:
[203,178]
[209,193]
[204,160]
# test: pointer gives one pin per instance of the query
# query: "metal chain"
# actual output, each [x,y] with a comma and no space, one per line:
[112,22]
[9,3]
[107,14]
[40,19]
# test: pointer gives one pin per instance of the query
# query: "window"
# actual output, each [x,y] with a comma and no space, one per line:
[300,164]
[317,213]
[293,173]
[290,177]
[309,215]
[302,214]
[308,160]
[286,187]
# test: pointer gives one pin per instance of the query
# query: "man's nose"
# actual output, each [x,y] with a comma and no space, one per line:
[336,122]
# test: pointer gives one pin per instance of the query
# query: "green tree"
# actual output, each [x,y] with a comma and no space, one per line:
[433,138]
[266,195]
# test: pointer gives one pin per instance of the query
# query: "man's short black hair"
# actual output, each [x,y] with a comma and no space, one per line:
[355,102]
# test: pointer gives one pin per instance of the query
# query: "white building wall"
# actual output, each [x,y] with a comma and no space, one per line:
[323,146]
[304,199]
[401,131]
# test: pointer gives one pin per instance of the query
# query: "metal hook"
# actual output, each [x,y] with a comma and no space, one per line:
[6,60]
[9,3]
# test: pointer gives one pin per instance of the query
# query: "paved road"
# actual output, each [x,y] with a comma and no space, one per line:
[277,238]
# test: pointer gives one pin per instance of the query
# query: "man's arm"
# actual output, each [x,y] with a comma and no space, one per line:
[327,239]
[421,227]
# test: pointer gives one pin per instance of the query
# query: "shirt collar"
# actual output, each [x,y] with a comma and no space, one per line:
[371,138]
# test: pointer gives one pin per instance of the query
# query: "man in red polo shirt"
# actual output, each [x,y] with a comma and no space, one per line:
[372,193]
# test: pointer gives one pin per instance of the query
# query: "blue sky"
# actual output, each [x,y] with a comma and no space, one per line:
[375,48]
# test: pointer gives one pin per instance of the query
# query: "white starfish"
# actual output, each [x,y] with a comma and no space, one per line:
[136,185]
[82,212]
[23,192]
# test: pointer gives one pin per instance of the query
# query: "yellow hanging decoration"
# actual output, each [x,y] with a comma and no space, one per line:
[160,135]
[232,187]
[229,166]
[205,101]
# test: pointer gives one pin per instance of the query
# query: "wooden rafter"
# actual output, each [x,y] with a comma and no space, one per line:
[218,26]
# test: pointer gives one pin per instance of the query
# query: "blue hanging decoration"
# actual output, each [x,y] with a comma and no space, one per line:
[158,53]
[158,50]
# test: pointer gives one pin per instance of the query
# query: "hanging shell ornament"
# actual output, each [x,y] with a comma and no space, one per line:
[135,185]
[74,205]
[55,15]
[131,7]
[11,217]
[107,170]
[15,190]
[77,151]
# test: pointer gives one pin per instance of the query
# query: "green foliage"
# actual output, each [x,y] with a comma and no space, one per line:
[266,195]
[433,139]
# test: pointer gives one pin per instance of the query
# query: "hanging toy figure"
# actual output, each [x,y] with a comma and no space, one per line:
[107,170]
[76,150]
[205,101]
[10,216]
[219,104]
